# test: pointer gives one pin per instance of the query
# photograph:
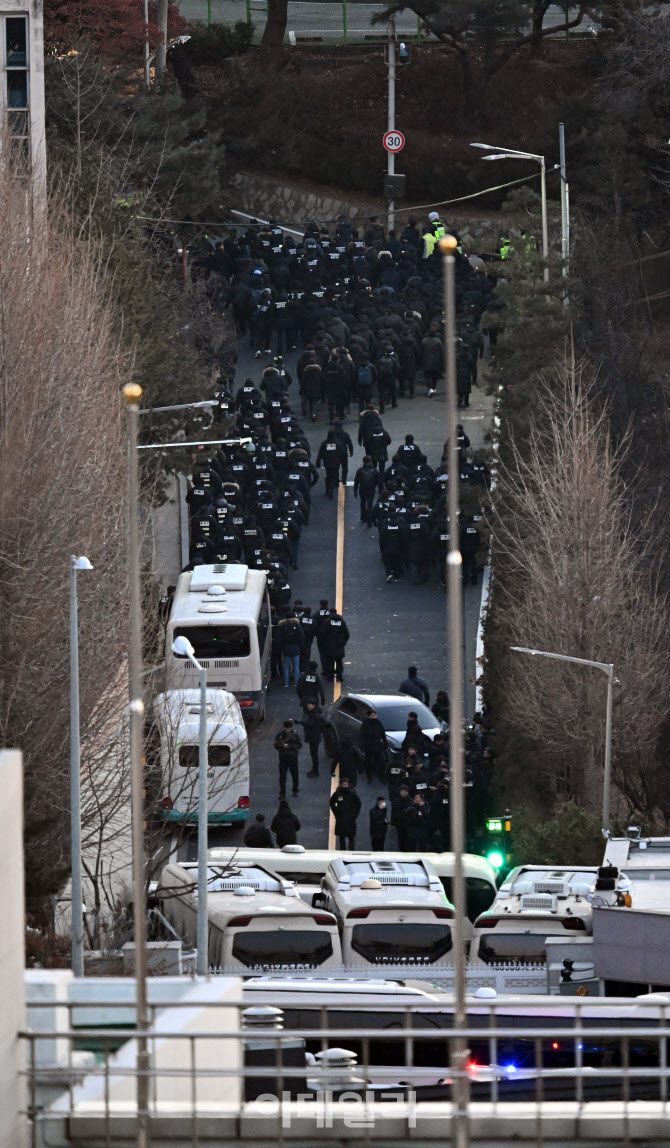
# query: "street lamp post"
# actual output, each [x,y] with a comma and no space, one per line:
[183,648]
[131,394]
[454,579]
[608,669]
[77,926]
[511,153]
[390,168]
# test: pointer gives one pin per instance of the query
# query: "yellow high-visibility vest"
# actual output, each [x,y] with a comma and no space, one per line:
[430,241]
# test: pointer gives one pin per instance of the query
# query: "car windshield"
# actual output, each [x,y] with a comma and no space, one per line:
[394,715]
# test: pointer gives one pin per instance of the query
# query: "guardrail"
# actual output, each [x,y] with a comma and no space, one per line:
[575,1071]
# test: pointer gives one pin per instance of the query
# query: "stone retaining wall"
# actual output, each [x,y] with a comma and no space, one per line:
[293,205]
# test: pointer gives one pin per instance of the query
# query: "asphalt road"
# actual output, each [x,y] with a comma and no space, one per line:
[324,20]
[391,625]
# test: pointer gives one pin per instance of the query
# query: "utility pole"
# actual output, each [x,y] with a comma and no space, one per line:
[391,118]
[161,46]
[454,580]
[131,394]
[565,209]
[75,776]
[147,49]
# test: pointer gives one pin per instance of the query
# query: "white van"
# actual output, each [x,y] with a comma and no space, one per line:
[536,902]
[256,920]
[307,867]
[388,912]
[224,611]
[177,716]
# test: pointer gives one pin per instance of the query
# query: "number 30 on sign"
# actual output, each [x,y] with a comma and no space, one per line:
[394,141]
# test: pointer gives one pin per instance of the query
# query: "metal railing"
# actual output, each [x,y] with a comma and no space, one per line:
[572,1069]
[341,21]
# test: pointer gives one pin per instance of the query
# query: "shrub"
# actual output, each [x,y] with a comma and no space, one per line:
[211,43]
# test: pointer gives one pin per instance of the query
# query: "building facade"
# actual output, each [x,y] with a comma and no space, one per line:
[22,91]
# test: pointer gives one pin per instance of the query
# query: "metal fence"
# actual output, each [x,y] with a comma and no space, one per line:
[339,22]
[576,1071]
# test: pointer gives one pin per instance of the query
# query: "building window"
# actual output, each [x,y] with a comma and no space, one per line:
[16,93]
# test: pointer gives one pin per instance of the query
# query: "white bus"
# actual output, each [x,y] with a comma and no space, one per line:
[307,867]
[224,611]
[256,920]
[388,912]
[536,902]
[177,717]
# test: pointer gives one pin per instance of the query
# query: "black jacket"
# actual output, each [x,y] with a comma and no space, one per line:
[378,821]
[346,805]
[310,687]
[334,635]
[290,636]
[313,726]
[351,760]
[285,826]
[258,837]
[416,688]
[288,745]
[366,481]
[372,736]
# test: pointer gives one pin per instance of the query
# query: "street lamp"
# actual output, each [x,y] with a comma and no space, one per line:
[607,668]
[511,153]
[183,649]
[77,926]
[454,580]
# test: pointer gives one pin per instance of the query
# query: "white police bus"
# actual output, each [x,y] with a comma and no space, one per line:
[224,611]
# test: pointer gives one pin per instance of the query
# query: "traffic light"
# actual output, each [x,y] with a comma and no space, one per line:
[403,54]
[499,843]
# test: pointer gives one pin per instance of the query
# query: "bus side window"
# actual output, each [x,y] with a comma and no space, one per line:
[480,896]
[263,626]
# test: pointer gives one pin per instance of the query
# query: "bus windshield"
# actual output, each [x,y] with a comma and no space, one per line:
[519,948]
[275,949]
[407,943]
[216,641]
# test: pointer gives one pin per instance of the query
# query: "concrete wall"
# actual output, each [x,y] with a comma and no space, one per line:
[631,946]
[294,204]
[12,1011]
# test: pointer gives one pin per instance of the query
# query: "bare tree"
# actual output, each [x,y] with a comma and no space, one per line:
[62,491]
[574,576]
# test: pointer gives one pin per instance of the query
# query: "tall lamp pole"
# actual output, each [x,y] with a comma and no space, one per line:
[391,119]
[607,668]
[77,927]
[183,648]
[454,578]
[511,153]
[132,394]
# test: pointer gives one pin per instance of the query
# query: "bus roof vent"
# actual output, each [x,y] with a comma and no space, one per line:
[244,891]
[557,887]
[544,901]
[228,576]
[212,608]
[414,873]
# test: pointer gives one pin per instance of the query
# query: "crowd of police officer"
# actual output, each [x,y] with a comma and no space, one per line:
[365,310]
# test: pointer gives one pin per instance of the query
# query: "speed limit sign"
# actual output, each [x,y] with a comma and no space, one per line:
[394,141]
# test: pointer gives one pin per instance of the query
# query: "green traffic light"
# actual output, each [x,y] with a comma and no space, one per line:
[495,858]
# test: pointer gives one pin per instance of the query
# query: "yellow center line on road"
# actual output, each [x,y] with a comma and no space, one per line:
[339,595]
